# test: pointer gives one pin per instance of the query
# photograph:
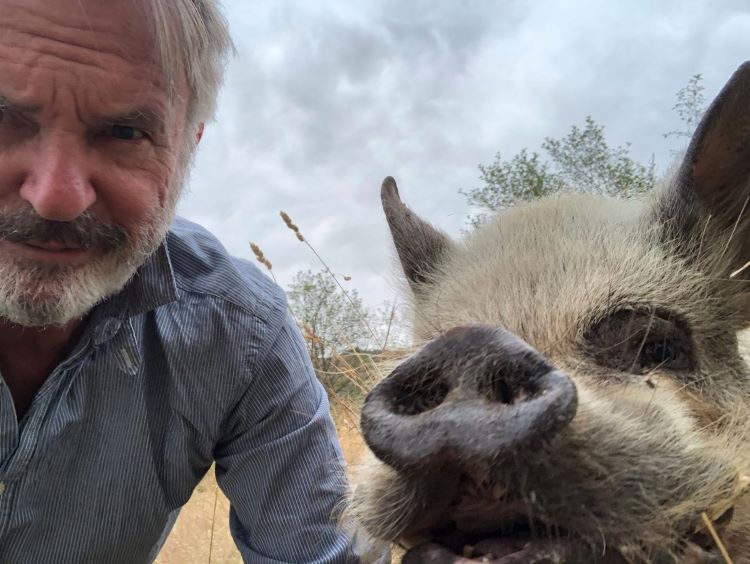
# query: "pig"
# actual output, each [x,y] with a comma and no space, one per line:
[578,392]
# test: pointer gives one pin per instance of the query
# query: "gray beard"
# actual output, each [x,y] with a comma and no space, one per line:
[39,296]
[42,296]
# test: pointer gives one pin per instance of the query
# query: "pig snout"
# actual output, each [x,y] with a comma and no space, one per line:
[473,394]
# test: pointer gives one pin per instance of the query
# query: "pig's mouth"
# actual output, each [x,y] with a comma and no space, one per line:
[524,539]
[516,547]
[522,547]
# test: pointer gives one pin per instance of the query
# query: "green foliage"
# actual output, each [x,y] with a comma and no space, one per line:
[524,177]
[690,107]
[582,161]
[344,339]
[330,321]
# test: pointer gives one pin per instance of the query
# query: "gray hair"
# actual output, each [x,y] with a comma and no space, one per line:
[192,36]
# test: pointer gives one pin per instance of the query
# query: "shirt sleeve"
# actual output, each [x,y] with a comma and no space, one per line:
[280,464]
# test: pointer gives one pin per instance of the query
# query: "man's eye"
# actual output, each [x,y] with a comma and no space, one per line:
[6,117]
[126,133]
[16,124]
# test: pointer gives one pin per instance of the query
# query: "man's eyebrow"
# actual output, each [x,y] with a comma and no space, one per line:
[8,104]
[145,117]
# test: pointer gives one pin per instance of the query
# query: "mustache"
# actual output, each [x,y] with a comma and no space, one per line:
[85,231]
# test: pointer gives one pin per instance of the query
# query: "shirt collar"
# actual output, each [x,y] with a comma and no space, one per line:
[152,285]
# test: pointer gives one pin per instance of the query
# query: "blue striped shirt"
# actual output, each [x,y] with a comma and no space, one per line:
[195,361]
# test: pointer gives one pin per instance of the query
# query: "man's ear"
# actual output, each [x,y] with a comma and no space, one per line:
[199,133]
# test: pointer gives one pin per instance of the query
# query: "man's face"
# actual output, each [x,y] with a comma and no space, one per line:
[93,152]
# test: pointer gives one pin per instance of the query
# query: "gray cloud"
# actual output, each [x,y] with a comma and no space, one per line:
[327,98]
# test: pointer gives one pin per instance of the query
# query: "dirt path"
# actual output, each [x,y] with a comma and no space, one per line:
[201,534]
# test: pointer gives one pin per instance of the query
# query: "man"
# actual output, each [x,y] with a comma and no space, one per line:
[134,354]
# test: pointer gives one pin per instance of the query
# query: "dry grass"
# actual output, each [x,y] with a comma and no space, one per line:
[715,536]
[290,224]
[201,534]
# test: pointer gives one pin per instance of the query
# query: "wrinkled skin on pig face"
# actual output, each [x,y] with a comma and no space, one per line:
[579,393]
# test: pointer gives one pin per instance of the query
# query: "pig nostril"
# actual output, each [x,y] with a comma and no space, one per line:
[419,396]
[501,391]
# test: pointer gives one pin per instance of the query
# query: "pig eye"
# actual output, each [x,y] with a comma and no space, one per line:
[636,340]
[659,352]
[667,353]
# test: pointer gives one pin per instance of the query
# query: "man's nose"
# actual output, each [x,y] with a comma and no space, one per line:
[58,184]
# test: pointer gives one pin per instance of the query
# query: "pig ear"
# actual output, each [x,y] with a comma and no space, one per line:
[420,246]
[711,190]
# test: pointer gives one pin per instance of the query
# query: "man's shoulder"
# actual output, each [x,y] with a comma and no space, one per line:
[202,267]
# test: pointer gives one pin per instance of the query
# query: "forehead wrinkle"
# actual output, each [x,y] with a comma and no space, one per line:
[109,34]
[119,97]
[54,40]
[35,51]
[142,111]
[123,97]
[97,37]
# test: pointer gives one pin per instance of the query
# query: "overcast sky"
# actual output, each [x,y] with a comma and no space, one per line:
[326,98]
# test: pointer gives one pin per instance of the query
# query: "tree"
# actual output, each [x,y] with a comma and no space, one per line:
[583,161]
[389,325]
[330,320]
[690,107]
[524,177]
